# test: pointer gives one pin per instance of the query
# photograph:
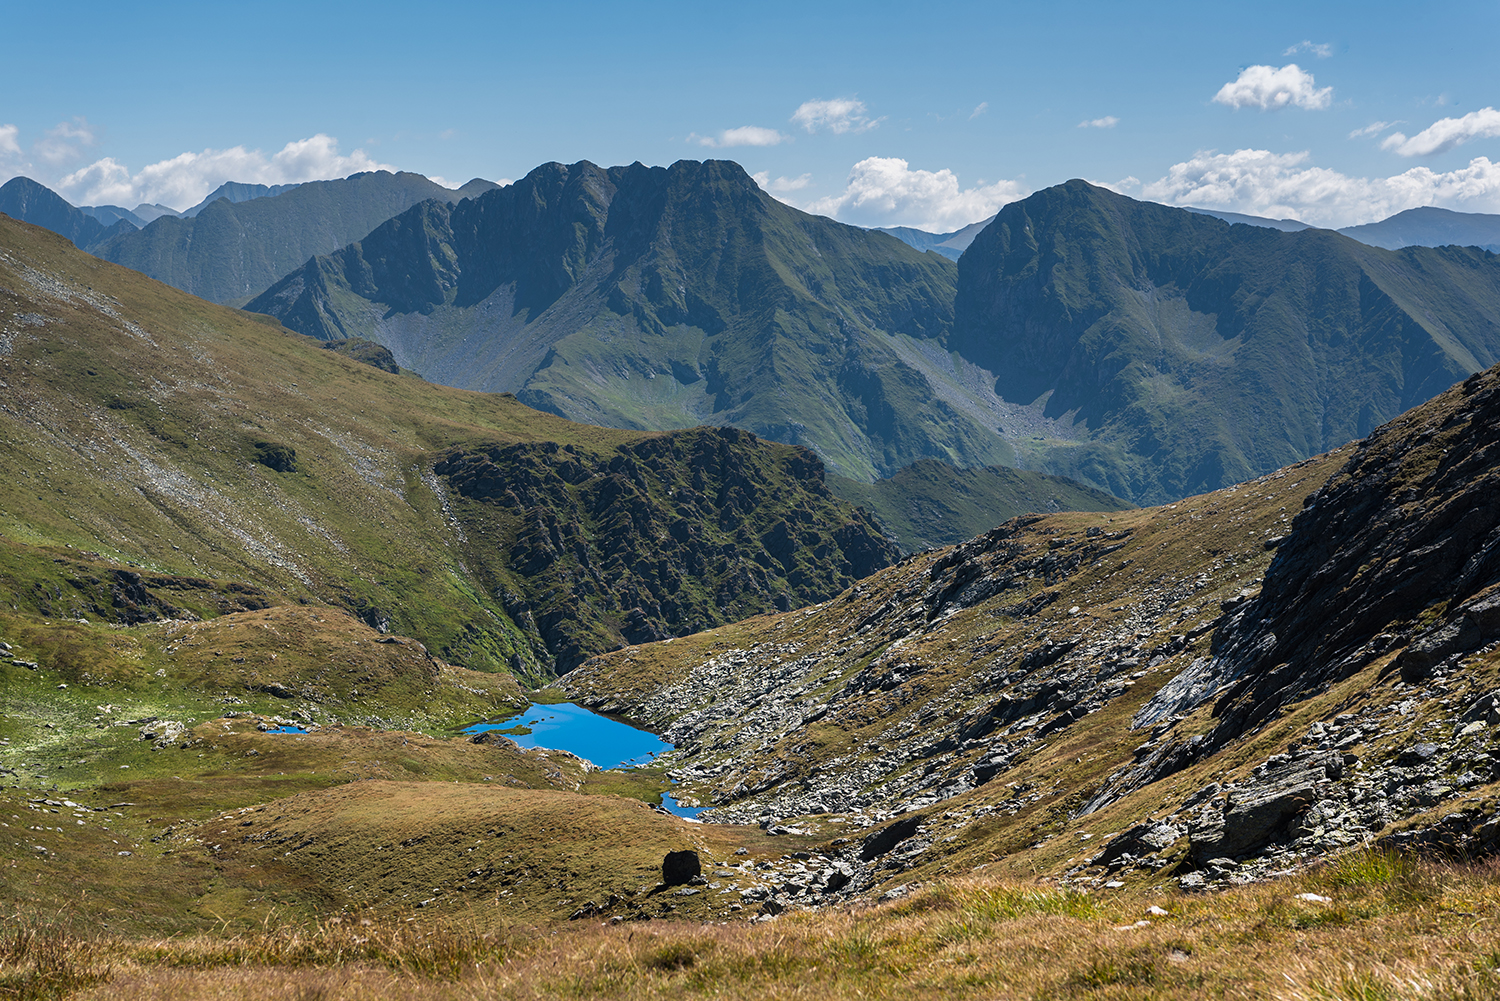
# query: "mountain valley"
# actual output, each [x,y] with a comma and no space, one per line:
[256,584]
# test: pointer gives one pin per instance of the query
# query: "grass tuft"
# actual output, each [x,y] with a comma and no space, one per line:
[39,963]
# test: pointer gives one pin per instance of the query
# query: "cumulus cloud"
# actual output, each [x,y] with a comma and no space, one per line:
[10,144]
[1446,133]
[840,115]
[1320,49]
[184,180]
[745,135]
[781,185]
[1270,89]
[885,191]
[1107,122]
[1278,185]
[979,109]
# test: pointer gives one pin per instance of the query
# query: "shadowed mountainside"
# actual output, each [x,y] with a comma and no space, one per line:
[931,503]
[1187,353]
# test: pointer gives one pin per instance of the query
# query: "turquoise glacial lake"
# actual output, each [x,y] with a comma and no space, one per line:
[606,742]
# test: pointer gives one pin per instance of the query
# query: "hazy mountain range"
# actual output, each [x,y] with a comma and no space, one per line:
[242,237]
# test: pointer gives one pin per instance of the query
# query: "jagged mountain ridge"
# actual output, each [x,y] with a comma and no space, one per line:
[198,460]
[660,297]
[1186,353]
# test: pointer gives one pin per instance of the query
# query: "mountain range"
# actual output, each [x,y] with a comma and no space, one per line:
[950,245]
[1144,350]
[255,591]
[658,297]
[1178,353]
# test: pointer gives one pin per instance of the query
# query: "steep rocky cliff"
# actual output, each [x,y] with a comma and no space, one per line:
[670,535]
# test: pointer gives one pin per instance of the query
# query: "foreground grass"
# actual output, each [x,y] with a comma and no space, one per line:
[1387,928]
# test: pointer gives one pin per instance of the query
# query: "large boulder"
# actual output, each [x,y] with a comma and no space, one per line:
[1264,807]
[679,868]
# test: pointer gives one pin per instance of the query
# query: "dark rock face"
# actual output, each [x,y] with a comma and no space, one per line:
[376,355]
[274,455]
[883,840]
[664,537]
[1256,813]
[1138,842]
[678,868]
[1402,546]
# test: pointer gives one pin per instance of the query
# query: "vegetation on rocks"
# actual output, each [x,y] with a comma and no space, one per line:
[1203,693]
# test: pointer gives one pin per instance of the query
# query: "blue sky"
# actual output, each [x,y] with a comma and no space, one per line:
[875,113]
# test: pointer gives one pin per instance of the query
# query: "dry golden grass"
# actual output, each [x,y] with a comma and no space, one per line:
[1394,929]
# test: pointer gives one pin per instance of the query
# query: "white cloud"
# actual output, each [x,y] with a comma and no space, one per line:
[1269,89]
[1374,128]
[1107,122]
[885,191]
[65,142]
[840,115]
[745,135]
[1282,184]
[1446,133]
[781,185]
[1320,49]
[185,179]
[979,109]
[9,143]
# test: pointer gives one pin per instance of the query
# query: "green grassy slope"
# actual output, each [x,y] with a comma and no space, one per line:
[169,456]
[931,503]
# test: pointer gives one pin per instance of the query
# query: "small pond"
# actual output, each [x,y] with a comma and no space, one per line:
[606,742]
